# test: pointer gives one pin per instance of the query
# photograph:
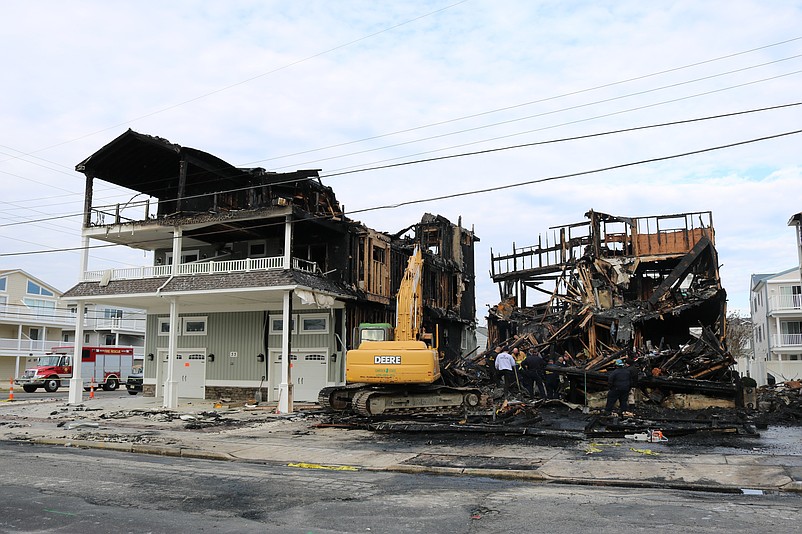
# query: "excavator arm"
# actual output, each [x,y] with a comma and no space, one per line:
[409,300]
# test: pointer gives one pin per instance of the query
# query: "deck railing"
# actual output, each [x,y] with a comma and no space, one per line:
[274,263]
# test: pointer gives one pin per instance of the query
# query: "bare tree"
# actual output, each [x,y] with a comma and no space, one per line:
[739,335]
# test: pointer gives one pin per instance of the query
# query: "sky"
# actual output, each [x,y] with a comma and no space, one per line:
[349,85]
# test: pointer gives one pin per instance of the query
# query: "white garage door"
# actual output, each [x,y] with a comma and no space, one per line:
[190,373]
[309,372]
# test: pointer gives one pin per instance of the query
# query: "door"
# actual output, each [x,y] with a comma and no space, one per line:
[190,373]
[308,373]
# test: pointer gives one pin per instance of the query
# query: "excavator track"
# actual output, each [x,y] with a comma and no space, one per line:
[428,400]
[338,398]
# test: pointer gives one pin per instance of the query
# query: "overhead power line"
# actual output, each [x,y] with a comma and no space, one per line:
[445,197]
[464,154]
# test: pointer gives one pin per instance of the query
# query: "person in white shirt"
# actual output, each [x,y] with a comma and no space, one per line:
[505,365]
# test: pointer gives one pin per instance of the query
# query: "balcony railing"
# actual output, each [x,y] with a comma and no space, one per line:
[28,345]
[785,302]
[275,263]
[787,340]
[37,316]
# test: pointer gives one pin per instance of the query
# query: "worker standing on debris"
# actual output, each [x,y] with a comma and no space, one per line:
[619,382]
[552,381]
[534,368]
[505,364]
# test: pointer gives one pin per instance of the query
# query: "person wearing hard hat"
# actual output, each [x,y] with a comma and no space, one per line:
[619,382]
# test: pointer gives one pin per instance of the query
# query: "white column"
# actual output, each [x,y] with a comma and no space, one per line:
[177,233]
[171,385]
[19,337]
[84,257]
[76,383]
[285,387]
[288,242]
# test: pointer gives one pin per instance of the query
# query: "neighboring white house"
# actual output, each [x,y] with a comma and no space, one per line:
[109,325]
[776,301]
[31,320]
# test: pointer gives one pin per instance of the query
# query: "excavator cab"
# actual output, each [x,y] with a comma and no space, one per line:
[373,332]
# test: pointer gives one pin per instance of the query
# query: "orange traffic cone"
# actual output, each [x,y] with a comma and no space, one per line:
[92,389]
[11,391]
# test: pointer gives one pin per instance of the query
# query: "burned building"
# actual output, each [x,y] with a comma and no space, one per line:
[612,287]
[258,278]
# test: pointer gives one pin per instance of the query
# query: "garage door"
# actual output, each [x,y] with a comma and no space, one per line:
[309,373]
[190,371]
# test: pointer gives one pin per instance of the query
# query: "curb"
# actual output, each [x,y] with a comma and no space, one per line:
[507,474]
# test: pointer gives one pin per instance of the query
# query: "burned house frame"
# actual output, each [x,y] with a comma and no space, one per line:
[613,287]
[254,270]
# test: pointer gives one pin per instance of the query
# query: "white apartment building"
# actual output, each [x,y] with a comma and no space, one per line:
[776,302]
[34,319]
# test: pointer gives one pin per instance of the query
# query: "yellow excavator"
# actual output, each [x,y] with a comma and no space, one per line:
[396,370]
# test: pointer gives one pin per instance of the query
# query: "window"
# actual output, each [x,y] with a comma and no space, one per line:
[194,326]
[36,289]
[110,313]
[164,326]
[86,339]
[65,338]
[40,307]
[3,284]
[257,250]
[187,256]
[277,325]
[110,339]
[314,324]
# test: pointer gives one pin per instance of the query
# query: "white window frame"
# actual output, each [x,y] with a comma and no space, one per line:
[305,316]
[277,318]
[195,319]
[168,256]
[165,320]
[263,243]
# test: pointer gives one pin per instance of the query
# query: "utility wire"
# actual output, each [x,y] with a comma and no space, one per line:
[547,99]
[490,150]
[336,173]
[546,113]
[248,80]
[442,197]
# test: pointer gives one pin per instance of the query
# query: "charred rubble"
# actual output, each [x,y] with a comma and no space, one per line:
[612,287]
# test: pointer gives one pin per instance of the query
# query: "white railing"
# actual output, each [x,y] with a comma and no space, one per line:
[787,340]
[785,302]
[28,345]
[275,263]
[46,316]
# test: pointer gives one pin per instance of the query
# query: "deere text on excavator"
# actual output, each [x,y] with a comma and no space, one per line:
[397,370]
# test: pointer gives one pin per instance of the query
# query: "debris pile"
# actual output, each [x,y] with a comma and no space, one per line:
[781,403]
[644,288]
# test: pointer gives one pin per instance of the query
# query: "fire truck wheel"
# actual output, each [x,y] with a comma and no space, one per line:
[29,389]
[52,385]
[111,384]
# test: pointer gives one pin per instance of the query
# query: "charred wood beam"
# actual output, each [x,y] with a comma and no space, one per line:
[680,271]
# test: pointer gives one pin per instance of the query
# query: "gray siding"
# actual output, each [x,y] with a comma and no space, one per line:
[240,332]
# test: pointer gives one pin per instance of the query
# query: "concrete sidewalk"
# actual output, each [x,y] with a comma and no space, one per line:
[139,424]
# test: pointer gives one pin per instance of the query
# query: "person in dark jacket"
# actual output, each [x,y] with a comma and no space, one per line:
[534,367]
[619,382]
[552,381]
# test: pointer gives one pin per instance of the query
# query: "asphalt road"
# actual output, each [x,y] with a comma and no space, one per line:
[59,489]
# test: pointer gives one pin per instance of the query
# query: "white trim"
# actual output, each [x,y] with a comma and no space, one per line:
[164,320]
[293,324]
[198,319]
[303,316]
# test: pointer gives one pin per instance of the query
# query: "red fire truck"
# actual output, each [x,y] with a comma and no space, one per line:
[108,367]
